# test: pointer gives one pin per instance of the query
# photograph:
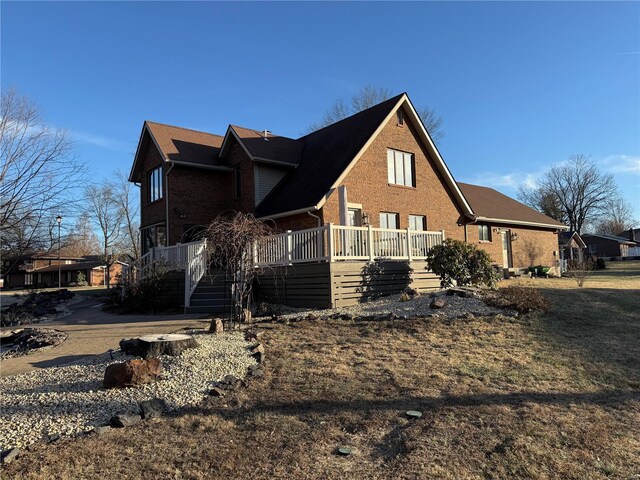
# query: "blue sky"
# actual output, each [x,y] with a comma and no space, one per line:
[521,86]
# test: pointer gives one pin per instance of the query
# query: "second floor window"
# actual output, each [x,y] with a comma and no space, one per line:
[400,168]
[155,184]
[484,233]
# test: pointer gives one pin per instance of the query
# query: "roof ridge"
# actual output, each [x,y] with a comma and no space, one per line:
[396,98]
[261,131]
[184,128]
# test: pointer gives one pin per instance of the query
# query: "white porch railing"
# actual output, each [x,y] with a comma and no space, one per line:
[633,252]
[339,242]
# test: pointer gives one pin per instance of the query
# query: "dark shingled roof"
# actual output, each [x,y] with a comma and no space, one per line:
[487,202]
[185,145]
[612,238]
[326,154]
[276,148]
[69,267]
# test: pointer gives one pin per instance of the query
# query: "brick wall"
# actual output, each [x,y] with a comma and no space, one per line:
[151,213]
[196,197]
[367,184]
[300,221]
[238,158]
[532,246]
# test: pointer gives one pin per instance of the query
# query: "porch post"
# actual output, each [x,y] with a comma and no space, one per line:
[289,247]
[443,237]
[330,242]
[370,242]
[409,252]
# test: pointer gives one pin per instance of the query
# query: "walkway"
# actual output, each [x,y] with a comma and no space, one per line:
[92,331]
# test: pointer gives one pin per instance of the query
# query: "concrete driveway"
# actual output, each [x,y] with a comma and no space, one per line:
[92,331]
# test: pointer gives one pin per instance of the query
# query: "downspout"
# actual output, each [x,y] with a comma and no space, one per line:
[166,203]
[316,217]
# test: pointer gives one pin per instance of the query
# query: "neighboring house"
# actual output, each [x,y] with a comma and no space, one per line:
[377,168]
[633,235]
[601,245]
[572,246]
[41,271]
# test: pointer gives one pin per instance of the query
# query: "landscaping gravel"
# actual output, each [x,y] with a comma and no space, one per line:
[70,399]
[416,307]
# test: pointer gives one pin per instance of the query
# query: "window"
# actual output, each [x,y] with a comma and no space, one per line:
[417,222]
[484,233]
[28,278]
[153,237]
[389,220]
[155,184]
[400,168]
[592,248]
[400,115]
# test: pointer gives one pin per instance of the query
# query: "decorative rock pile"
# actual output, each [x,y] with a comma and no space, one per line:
[25,340]
[35,307]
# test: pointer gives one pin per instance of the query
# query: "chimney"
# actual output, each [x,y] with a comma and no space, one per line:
[266,134]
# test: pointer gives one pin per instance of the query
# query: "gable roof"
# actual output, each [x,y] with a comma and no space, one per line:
[270,149]
[492,206]
[329,154]
[612,238]
[564,238]
[182,146]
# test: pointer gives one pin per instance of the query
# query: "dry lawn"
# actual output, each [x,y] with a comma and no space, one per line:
[542,396]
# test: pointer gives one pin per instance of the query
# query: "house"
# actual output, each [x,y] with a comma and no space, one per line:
[572,246]
[41,270]
[377,169]
[601,245]
[632,234]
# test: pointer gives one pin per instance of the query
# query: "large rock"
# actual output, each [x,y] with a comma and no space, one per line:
[125,419]
[132,373]
[438,302]
[153,408]
[153,346]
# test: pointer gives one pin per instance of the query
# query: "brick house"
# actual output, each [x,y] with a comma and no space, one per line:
[377,168]
[41,270]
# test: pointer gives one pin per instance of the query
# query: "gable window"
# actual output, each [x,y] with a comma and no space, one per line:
[484,233]
[389,220]
[417,222]
[400,168]
[155,184]
[400,116]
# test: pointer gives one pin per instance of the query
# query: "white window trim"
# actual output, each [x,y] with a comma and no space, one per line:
[400,168]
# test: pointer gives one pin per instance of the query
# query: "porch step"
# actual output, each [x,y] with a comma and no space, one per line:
[211,295]
[209,309]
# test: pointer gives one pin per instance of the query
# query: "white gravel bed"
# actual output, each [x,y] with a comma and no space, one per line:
[68,400]
[455,307]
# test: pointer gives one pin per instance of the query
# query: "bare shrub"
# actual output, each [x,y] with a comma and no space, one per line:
[231,240]
[522,299]
[581,271]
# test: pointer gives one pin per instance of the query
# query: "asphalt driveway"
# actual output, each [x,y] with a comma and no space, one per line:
[92,331]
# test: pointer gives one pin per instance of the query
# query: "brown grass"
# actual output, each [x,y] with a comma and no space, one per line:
[553,395]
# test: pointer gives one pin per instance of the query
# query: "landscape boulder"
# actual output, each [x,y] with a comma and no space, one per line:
[132,373]
[125,419]
[438,302]
[153,408]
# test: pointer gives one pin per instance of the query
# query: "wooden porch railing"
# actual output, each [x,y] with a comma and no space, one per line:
[338,242]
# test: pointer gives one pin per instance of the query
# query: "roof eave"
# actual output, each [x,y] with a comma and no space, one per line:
[219,168]
[480,218]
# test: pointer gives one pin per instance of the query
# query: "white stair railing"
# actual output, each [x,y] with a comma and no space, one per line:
[195,269]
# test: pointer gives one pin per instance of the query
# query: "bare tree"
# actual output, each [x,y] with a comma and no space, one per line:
[576,193]
[369,96]
[128,202]
[106,214]
[82,241]
[39,175]
[619,217]
[231,240]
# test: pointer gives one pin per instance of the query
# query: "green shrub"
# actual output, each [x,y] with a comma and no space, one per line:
[600,264]
[82,280]
[462,263]
[521,299]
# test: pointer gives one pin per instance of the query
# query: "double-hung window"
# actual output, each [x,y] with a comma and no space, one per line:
[484,233]
[417,222]
[400,168]
[389,220]
[155,184]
